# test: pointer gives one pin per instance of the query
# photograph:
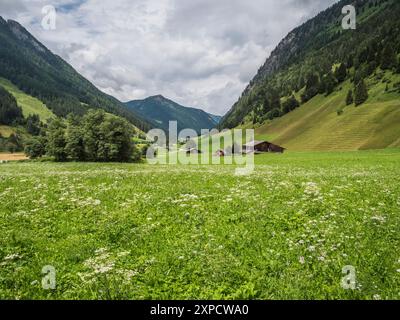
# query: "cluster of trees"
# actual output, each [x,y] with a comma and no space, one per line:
[304,64]
[10,113]
[96,137]
[11,144]
[314,84]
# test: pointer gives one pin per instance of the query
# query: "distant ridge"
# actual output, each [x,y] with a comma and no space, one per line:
[159,110]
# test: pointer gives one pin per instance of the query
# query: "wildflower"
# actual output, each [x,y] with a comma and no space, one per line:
[380,219]
[104,268]
[12,257]
[101,250]
[311,248]
[302,260]
[311,189]
[123,254]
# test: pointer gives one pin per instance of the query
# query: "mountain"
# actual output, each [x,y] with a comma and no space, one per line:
[307,95]
[159,111]
[216,119]
[38,73]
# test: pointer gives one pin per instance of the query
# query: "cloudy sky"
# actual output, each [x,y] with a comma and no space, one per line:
[200,53]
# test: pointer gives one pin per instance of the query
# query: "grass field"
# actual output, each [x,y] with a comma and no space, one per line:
[135,231]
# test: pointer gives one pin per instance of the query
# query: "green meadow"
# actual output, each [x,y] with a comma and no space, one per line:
[138,231]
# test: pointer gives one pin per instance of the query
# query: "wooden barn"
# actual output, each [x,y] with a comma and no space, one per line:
[192,151]
[262,146]
[220,153]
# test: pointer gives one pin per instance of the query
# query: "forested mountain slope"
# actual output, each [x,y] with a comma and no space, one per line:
[326,123]
[323,83]
[159,111]
[36,71]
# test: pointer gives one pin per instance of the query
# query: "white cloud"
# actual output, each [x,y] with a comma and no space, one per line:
[201,53]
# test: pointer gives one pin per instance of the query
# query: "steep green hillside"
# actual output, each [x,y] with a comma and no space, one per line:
[317,125]
[159,111]
[36,71]
[295,98]
[29,104]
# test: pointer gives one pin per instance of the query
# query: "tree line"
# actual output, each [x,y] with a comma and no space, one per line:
[95,136]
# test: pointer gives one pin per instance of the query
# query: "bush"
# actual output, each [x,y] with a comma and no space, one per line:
[275,113]
[35,148]
[290,104]
[33,124]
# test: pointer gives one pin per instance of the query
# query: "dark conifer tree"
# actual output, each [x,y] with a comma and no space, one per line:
[341,73]
[361,93]
[388,59]
[349,98]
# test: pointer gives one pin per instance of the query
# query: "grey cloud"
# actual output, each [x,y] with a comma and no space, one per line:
[11,7]
[200,52]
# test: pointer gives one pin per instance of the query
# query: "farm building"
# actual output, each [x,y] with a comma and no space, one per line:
[192,151]
[262,146]
[220,153]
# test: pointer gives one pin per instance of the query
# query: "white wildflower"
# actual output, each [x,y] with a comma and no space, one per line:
[311,189]
[12,257]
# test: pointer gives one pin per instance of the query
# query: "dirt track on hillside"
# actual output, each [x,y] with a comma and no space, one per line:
[12,156]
